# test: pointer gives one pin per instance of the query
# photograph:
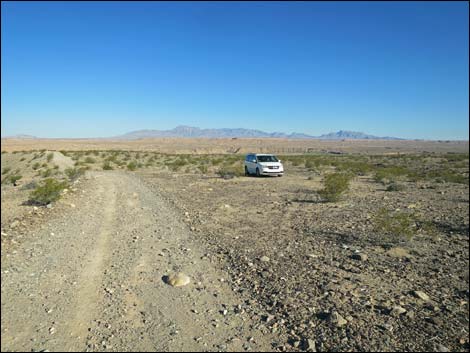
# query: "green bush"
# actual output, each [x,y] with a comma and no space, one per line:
[47,173]
[202,168]
[394,226]
[50,156]
[90,160]
[74,173]
[36,166]
[49,191]
[390,174]
[107,166]
[227,172]
[14,178]
[132,166]
[334,185]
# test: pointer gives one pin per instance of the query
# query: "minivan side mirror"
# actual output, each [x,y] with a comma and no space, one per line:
[279,160]
[254,160]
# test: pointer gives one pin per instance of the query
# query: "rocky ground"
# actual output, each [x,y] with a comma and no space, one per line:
[323,275]
[271,266]
[90,277]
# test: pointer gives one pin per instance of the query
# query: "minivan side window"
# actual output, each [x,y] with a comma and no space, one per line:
[248,158]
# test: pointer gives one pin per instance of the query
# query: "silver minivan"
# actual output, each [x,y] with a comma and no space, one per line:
[263,164]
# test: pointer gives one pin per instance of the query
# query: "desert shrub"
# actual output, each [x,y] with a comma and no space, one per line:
[448,176]
[5,170]
[228,172]
[202,168]
[3,152]
[44,165]
[394,186]
[90,160]
[394,226]
[36,166]
[47,173]
[177,164]
[390,174]
[14,178]
[30,186]
[50,156]
[216,161]
[49,191]
[132,166]
[334,185]
[107,166]
[74,173]
[22,159]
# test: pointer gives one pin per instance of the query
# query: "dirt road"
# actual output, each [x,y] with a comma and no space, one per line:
[91,280]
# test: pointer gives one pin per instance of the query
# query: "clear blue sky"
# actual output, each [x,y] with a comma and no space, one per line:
[91,69]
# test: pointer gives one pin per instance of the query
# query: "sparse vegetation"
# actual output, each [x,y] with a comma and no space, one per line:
[335,185]
[50,156]
[229,172]
[90,160]
[74,173]
[14,178]
[132,166]
[394,226]
[49,191]
[5,170]
[107,166]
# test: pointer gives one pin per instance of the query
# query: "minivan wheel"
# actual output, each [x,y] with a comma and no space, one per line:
[257,172]
[246,172]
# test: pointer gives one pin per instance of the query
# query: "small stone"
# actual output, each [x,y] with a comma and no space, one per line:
[397,310]
[178,280]
[442,348]
[264,259]
[421,295]
[310,345]
[336,319]
[14,224]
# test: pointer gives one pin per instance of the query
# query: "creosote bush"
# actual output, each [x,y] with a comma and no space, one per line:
[107,166]
[14,178]
[132,166]
[334,185]
[394,226]
[74,173]
[49,191]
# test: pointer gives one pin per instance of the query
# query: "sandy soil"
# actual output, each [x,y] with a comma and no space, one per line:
[272,266]
[90,278]
[243,146]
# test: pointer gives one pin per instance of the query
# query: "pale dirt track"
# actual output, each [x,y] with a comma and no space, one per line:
[91,279]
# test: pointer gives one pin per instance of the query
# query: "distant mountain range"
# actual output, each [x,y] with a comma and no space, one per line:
[189,131]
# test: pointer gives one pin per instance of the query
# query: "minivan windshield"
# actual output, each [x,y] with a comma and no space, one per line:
[267,159]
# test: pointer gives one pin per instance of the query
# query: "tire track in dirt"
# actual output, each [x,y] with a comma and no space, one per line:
[103,279]
[88,295]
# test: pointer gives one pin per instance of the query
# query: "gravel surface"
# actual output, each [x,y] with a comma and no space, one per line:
[92,277]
